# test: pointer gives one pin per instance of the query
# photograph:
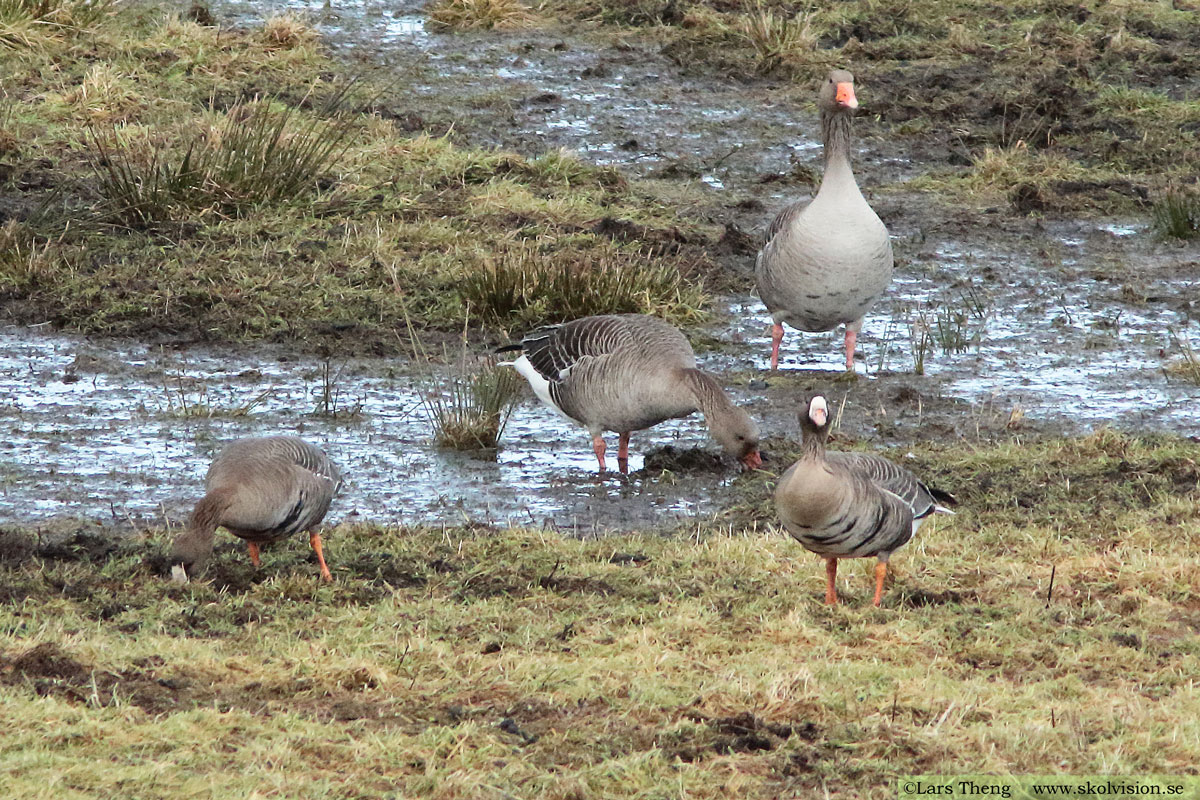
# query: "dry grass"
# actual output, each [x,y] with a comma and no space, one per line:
[485,663]
[37,24]
[776,38]
[287,31]
[1187,366]
[480,14]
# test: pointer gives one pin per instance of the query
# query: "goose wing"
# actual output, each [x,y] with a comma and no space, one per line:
[891,478]
[783,219]
[554,350]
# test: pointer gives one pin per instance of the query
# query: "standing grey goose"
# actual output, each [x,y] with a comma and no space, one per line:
[261,490]
[627,372]
[850,505]
[827,261]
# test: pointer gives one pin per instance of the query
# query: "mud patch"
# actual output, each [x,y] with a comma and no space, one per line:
[53,672]
[48,660]
[391,569]
[156,688]
[741,733]
[58,539]
[16,545]
[688,460]
[566,584]
[921,598]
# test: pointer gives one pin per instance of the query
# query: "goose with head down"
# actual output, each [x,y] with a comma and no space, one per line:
[261,490]
[826,261]
[628,372]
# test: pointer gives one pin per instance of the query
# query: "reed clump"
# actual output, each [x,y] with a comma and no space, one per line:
[1176,215]
[469,409]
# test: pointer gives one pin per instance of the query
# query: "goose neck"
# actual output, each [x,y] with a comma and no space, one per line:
[836,134]
[813,443]
[709,396]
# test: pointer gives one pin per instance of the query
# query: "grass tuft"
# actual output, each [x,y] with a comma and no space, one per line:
[776,38]
[23,262]
[462,15]
[33,23]
[526,285]
[287,31]
[1177,215]
[1188,366]
[260,154]
[469,409]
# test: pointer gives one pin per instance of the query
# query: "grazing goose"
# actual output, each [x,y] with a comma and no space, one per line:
[627,372]
[827,261]
[850,505]
[261,490]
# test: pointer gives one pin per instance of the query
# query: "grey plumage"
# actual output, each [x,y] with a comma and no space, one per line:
[824,263]
[261,490]
[849,505]
[628,372]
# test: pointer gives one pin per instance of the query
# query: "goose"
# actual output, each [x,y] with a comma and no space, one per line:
[850,505]
[827,261]
[260,489]
[628,372]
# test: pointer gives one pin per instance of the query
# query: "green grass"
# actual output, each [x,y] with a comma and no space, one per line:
[235,185]
[525,285]
[482,662]
[1177,215]
[469,409]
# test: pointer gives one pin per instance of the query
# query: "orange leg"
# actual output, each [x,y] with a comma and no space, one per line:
[315,540]
[253,553]
[831,582]
[598,446]
[851,342]
[623,453]
[880,574]
[776,340]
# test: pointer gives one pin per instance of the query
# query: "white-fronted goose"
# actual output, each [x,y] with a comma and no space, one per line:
[850,505]
[260,490]
[627,372]
[827,261]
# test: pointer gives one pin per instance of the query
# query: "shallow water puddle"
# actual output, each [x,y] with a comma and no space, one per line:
[1001,327]
[125,432]
[532,90]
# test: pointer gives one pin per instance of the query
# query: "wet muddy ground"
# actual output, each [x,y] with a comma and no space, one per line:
[1018,324]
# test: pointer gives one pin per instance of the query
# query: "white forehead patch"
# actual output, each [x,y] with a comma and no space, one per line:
[818,410]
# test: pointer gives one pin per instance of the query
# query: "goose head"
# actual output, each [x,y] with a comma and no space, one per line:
[738,435]
[190,554]
[814,418]
[837,93]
